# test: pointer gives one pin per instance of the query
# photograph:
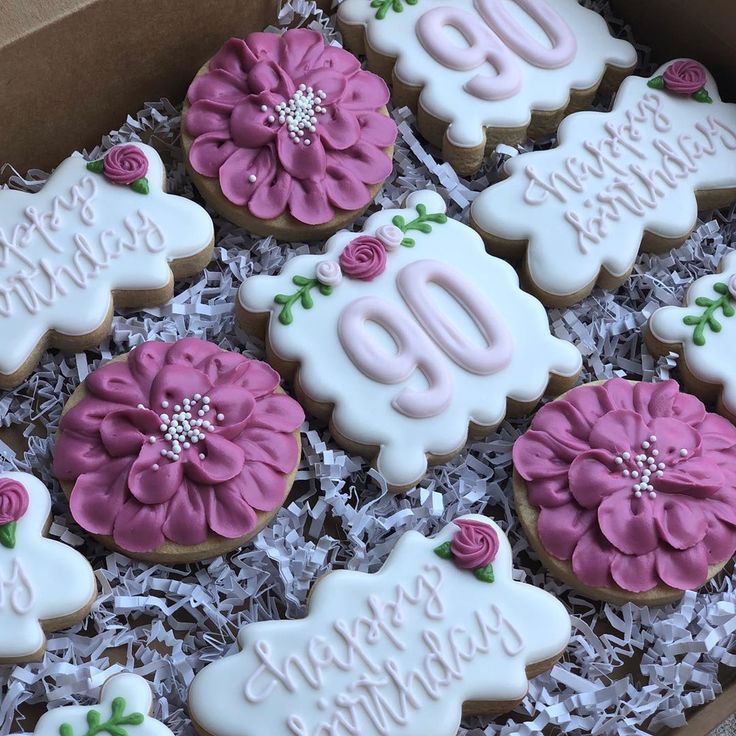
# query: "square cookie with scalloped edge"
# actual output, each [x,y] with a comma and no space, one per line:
[482,72]
[406,336]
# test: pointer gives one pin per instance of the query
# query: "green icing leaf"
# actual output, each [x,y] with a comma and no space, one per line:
[113,726]
[382,7]
[7,534]
[140,185]
[419,224]
[408,242]
[702,96]
[444,551]
[97,167]
[485,574]
[656,83]
[301,296]
[66,730]
[708,320]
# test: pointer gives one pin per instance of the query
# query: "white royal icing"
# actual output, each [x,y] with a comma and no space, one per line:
[395,652]
[489,63]
[79,238]
[40,579]
[73,720]
[587,203]
[458,364]
[714,361]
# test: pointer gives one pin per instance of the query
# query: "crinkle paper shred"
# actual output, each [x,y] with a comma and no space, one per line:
[627,670]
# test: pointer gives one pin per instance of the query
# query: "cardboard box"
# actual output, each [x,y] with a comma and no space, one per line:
[70,70]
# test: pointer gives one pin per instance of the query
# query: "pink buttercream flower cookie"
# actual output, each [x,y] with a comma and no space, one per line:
[288,136]
[178,452]
[627,490]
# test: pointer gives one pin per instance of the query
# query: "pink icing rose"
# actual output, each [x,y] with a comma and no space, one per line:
[324,160]
[143,479]
[363,258]
[391,236]
[685,77]
[635,484]
[13,501]
[732,286]
[475,545]
[329,273]
[125,164]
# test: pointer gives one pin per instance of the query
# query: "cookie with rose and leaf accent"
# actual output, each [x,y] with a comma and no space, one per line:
[703,332]
[442,630]
[408,337]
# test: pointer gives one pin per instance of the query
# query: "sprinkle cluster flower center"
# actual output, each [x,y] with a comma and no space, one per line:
[646,467]
[299,113]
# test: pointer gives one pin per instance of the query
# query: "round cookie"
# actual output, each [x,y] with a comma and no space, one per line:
[287,136]
[627,490]
[178,452]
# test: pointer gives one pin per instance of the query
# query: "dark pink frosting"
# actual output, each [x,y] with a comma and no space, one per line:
[125,164]
[13,501]
[475,545]
[685,77]
[579,460]
[239,139]
[363,258]
[111,443]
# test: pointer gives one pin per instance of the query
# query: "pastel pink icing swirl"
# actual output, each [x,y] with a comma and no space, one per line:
[363,258]
[13,501]
[110,446]
[685,77]
[574,461]
[474,546]
[125,164]
[239,140]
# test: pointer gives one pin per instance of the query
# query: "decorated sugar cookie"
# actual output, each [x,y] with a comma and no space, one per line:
[627,490]
[703,332]
[44,585]
[633,177]
[442,629]
[125,704]
[481,72]
[406,333]
[96,230]
[178,452]
[286,135]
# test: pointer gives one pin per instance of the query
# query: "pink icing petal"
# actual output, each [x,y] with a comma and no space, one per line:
[697,477]
[339,60]
[267,76]
[628,523]
[234,57]
[680,520]
[220,365]
[377,128]
[146,361]
[207,116]
[75,454]
[261,486]
[330,82]
[84,418]
[566,424]
[549,492]
[635,573]
[191,351]
[620,394]
[300,160]
[264,45]
[279,450]
[278,412]
[720,541]
[594,477]
[256,376]
[151,486]
[139,527]
[654,400]
[234,405]
[672,436]
[300,50]
[271,197]
[124,432]
[223,460]
[591,560]
[619,431]
[561,528]
[339,129]
[344,190]
[175,383]
[249,126]
[97,497]
[365,91]
[210,151]
[591,401]
[218,85]
[186,518]
[724,507]
[717,434]
[538,456]
[114,382]
[235,173]
[691,410]
[366,161]
[308,203]
[683,569]
[227,512]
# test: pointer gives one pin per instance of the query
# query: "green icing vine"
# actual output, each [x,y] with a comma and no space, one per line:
[302,294]
[383,6]
[7,534]
[421,223]
[708,318]
[113,726]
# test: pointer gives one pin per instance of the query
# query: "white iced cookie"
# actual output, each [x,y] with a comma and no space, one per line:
[96,229]
[440,630]
[633,177]
[44,584]
[703,332]
[484,71]
[125,703]
[406,333]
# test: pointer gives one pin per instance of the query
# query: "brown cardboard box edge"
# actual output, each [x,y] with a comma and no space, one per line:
[70,70]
